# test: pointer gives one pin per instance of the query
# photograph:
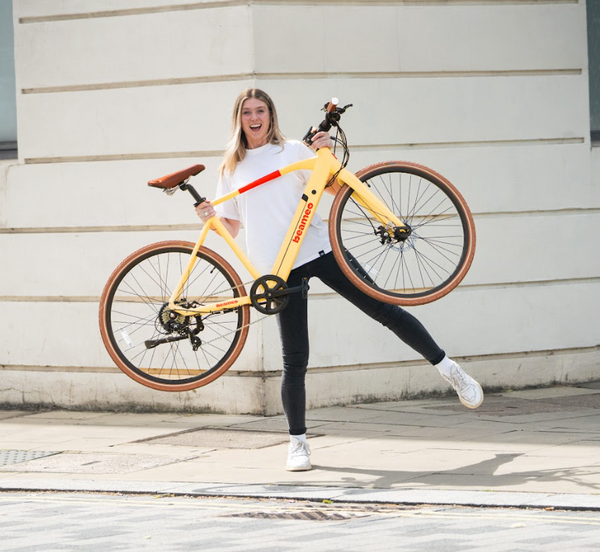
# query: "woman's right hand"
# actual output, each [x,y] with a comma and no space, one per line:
[321,140]
[205,211]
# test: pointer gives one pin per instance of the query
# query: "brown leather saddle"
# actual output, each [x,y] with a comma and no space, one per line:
[176,178]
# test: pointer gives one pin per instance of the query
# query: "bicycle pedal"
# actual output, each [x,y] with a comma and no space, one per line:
[305,288]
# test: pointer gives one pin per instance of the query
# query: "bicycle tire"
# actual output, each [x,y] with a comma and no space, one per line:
[431,262]
[133,312]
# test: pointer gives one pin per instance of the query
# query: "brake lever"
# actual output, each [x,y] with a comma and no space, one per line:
[331,118]
[340,110]
[310,135]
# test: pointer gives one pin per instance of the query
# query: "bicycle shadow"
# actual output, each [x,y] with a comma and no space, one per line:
[482,474]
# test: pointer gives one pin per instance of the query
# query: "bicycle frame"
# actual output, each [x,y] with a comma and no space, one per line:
[322,166]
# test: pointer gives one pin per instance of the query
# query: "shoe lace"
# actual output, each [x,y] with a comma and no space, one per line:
[460,380]
[299,448]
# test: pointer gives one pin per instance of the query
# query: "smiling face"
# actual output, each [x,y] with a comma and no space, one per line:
[256,121]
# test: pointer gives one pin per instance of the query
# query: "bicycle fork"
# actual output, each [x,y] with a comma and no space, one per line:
[392,228]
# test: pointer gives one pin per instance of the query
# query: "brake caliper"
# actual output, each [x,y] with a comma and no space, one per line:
[394,234]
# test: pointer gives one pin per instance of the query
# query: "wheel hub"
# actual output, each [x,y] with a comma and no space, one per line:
[394,234]
[171,321]
[176,327]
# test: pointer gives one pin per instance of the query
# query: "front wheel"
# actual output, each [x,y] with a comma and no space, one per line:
[414,265]
[160,348]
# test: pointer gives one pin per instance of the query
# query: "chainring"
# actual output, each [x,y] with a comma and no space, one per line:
[266,296]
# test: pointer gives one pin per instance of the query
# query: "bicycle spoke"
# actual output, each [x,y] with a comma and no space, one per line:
[166,347]
[421,261]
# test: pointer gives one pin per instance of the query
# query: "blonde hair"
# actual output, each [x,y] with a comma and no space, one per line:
[236,148]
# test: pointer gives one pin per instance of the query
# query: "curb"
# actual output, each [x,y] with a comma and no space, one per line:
[473,499]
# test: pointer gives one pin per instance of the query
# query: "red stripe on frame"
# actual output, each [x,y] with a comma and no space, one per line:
[271,176]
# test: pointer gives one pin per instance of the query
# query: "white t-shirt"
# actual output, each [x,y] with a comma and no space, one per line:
[267,210]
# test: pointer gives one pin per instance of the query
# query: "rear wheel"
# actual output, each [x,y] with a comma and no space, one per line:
[398,266]
[163,349]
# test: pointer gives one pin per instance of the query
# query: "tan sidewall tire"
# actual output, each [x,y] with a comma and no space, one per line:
[336,246]
[104,331]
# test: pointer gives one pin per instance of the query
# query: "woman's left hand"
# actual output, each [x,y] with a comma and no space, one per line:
[321,140]
[205,211]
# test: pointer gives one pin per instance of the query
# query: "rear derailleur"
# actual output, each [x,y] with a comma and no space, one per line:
[176,327]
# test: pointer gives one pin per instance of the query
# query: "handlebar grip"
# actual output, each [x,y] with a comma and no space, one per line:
[332,105]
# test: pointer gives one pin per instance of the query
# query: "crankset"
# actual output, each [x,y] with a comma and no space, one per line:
[270,294]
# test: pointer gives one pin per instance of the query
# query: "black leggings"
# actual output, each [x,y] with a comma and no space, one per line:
[293,328]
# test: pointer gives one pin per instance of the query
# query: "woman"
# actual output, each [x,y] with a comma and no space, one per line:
[257,147]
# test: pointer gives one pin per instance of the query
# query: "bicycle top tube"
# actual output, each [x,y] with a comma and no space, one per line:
[308,164]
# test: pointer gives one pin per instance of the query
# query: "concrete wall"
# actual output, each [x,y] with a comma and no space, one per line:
[494,95]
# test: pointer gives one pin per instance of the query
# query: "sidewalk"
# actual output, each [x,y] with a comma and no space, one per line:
[538,448]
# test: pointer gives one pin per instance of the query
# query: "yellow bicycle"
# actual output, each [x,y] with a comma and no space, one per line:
[175,315]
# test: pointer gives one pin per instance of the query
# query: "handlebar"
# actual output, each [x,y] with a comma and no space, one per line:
[333,114]
[330,107]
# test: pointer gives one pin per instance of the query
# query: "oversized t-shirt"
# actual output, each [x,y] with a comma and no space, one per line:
[267,210]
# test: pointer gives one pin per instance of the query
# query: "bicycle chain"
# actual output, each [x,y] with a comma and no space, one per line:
[236,330]
[241,327]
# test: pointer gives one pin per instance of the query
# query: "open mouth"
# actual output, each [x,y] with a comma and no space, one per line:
[255,127]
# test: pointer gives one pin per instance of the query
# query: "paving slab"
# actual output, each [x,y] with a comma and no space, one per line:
[91,463]
[8,414]
[551,392]
[222,438]
[539,447]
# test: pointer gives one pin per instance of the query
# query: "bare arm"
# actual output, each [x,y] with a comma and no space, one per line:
[333,189]
[206,211]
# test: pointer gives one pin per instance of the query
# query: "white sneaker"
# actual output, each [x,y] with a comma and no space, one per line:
[298,455]
[469,391]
